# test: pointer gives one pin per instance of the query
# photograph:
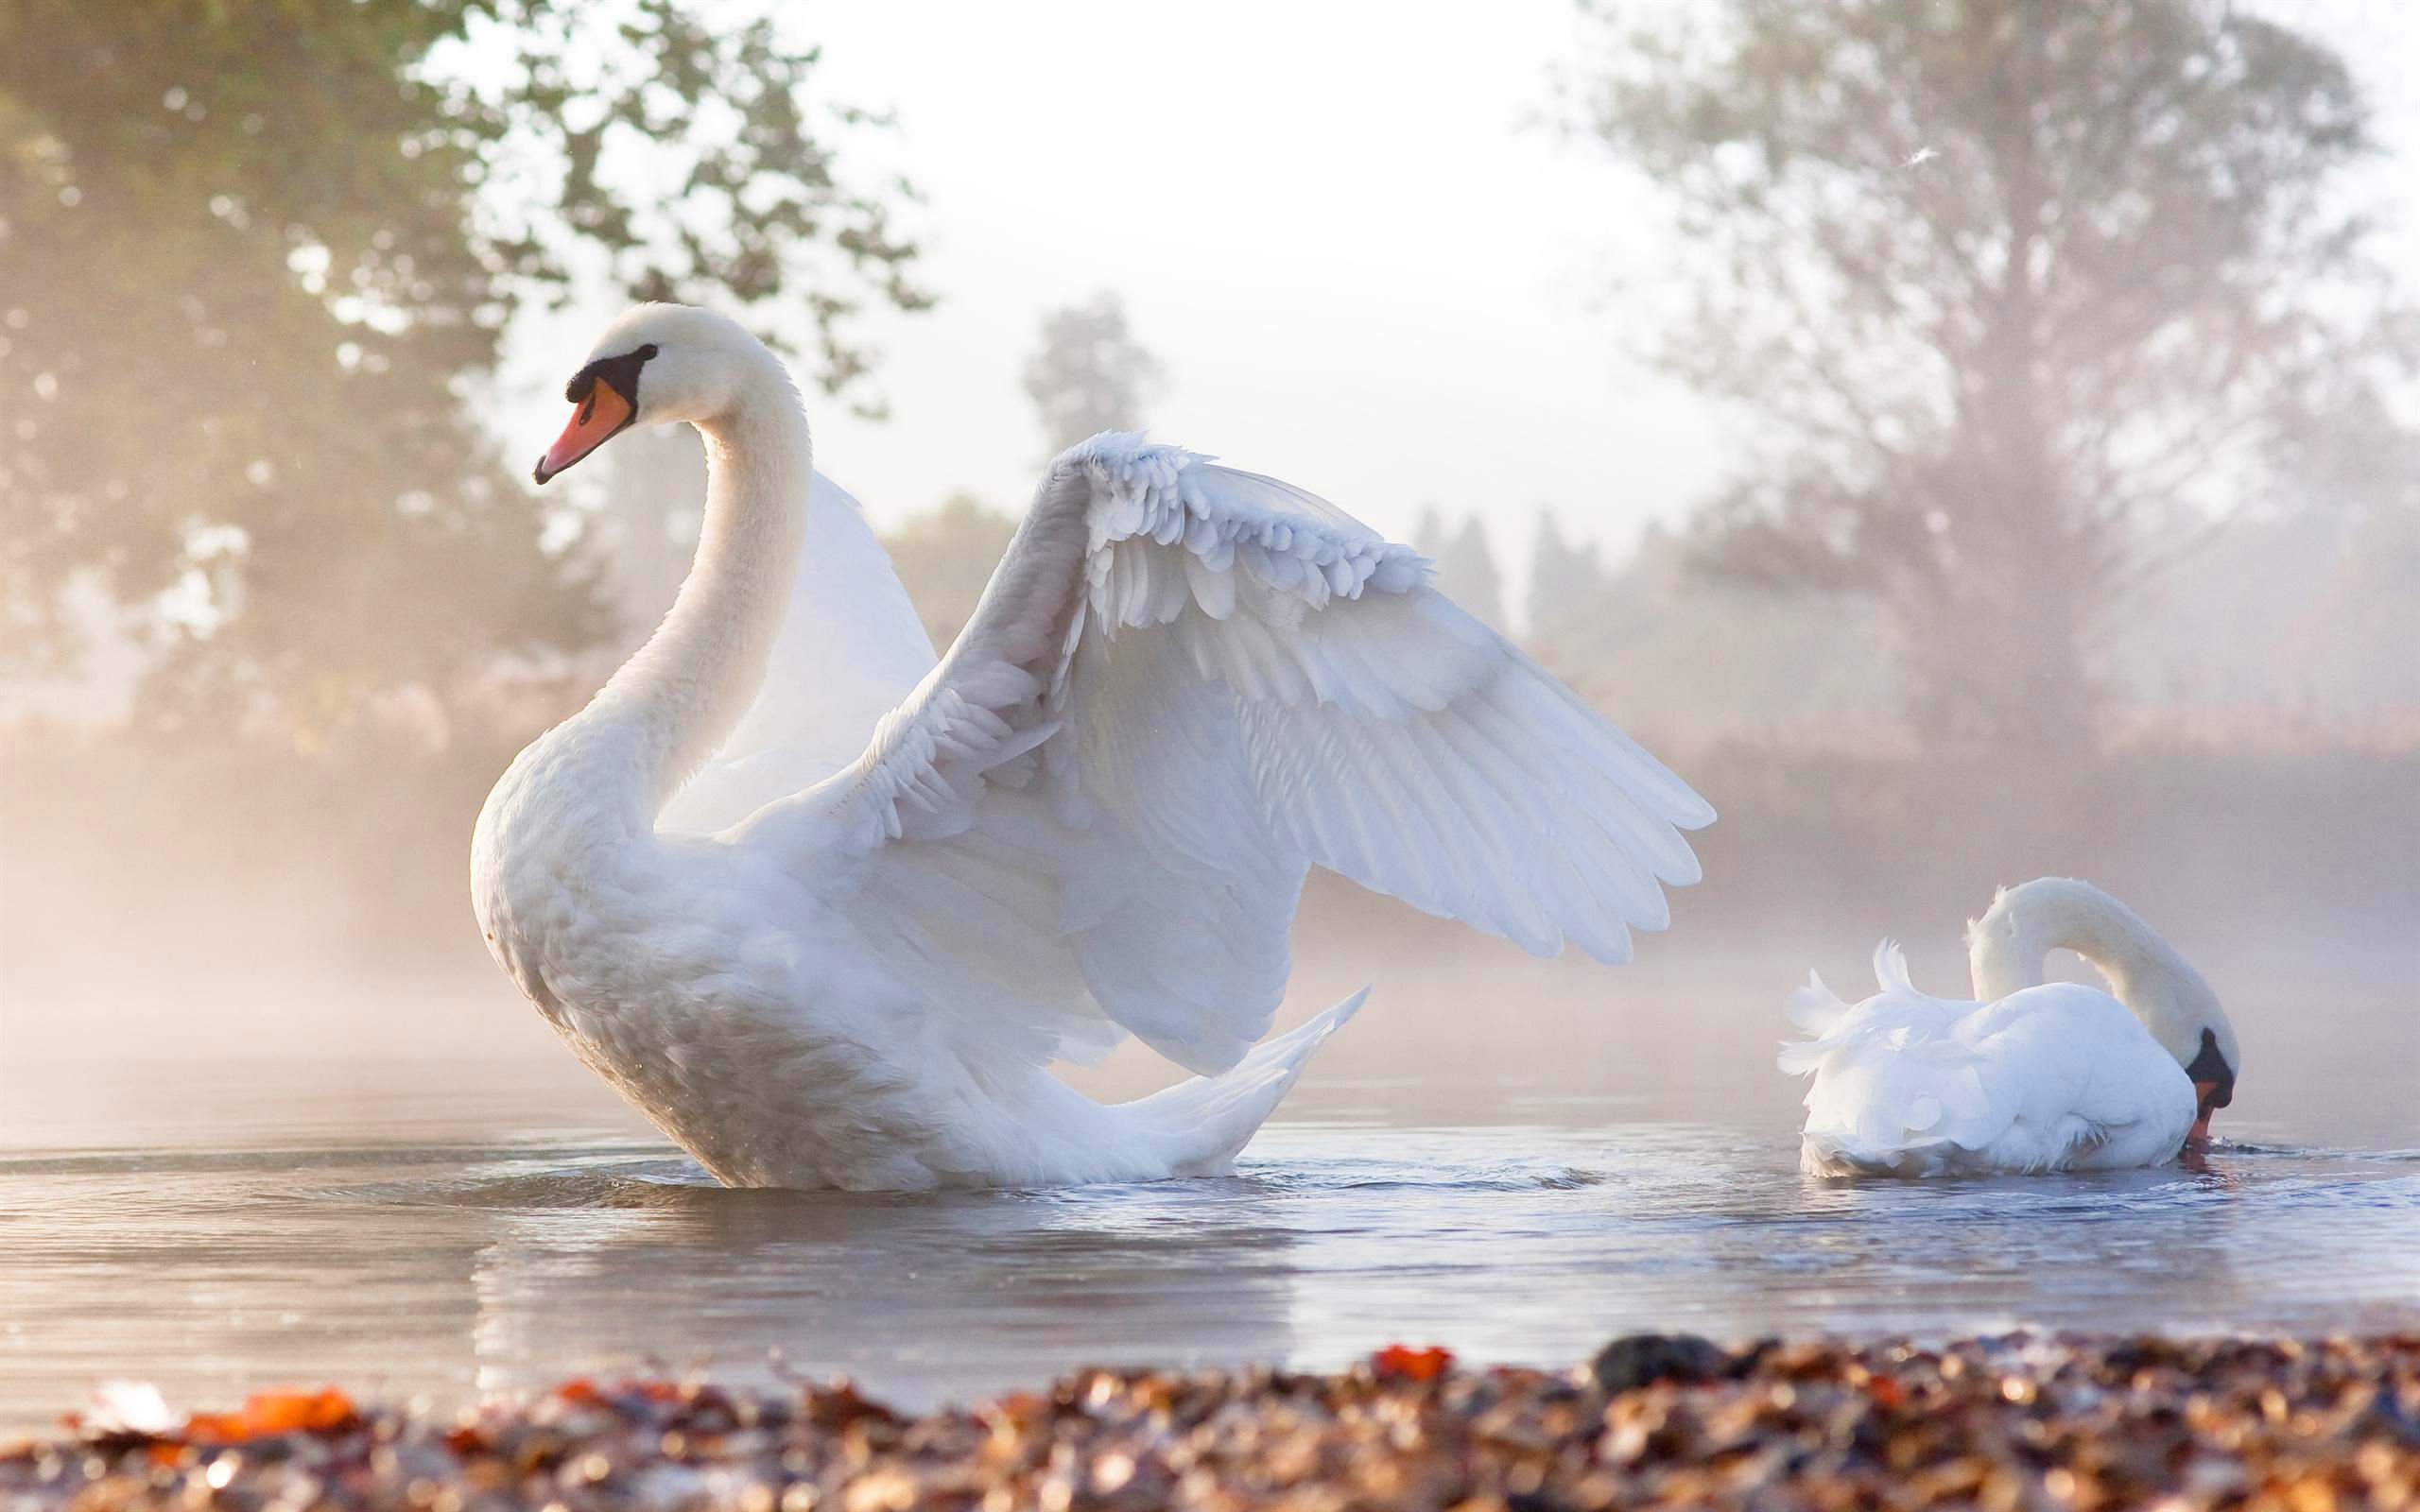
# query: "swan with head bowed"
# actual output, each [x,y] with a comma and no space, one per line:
[826,909]
[2032,1076]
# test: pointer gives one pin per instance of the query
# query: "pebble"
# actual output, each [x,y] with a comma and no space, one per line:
[2021,1421]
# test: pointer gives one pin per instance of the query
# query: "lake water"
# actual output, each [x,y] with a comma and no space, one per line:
[395,1232]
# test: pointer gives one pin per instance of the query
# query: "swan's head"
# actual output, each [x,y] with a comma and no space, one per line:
[2005,947]
[657,364]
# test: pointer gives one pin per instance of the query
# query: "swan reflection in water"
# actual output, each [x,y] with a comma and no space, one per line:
[920,1297]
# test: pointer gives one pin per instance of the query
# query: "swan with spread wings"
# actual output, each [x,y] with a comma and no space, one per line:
[826,909]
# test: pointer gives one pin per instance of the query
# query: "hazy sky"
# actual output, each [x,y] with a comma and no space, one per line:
[1365,268]
[1371,262]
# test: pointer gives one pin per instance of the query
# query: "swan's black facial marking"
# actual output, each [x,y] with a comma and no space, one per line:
[622,372]
[2212,1076]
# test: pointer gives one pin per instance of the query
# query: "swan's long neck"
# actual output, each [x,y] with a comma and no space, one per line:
[2006,946]
[661,714]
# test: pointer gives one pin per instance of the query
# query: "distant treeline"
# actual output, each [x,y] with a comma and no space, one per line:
[140,887]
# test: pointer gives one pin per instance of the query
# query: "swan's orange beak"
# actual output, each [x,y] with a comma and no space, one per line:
[598,418]
[2204,1091]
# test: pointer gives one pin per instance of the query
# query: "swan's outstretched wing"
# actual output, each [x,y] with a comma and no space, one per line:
[1184,685]
[851,647]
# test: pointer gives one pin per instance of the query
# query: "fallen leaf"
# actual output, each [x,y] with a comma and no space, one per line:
[1398,1362]
[275,1412]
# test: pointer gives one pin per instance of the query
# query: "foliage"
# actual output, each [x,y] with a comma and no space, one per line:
[1565,578]
[713,108]
[1089,375]
[1465,567]
[2003,290]
[256,256]
[1689,662]
[946,559]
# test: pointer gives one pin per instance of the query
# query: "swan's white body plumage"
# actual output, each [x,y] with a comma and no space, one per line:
[2038,1076]
[2058,1077]
[826,909]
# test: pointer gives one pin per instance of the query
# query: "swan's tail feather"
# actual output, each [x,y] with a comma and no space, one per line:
[1207,1120]
[1814,1008]
[1897,1087]
[1891,968]
[1818,1012]
[1899,1011]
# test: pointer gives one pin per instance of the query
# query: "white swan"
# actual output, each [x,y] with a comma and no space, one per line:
[825,911]
[2032,1077]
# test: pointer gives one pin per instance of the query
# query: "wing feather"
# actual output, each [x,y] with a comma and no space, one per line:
[1185,686]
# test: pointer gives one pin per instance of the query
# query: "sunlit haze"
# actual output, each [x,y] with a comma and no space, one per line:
[1371,256]
[1368,256]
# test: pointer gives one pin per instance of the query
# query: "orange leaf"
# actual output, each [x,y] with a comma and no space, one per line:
[309,1412]
[275,1412]
[1398,1362]
[215,1427]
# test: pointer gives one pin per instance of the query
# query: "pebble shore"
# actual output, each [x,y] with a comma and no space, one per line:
[1655,1421]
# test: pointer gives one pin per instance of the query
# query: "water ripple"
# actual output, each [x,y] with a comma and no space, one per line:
[464,1267]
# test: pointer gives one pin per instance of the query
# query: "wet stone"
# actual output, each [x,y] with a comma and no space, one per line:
[1643,1359]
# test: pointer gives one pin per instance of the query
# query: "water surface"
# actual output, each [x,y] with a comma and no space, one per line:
[399,1236]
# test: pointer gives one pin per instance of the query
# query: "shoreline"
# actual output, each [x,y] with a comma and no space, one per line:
[2016,1421]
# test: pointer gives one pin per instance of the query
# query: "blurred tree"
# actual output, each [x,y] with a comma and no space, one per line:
[1465,567]
[2003,290]
[255,257]
[1564,576]
[1693,664]
[2351,648]
[946,559]
[1089,375]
